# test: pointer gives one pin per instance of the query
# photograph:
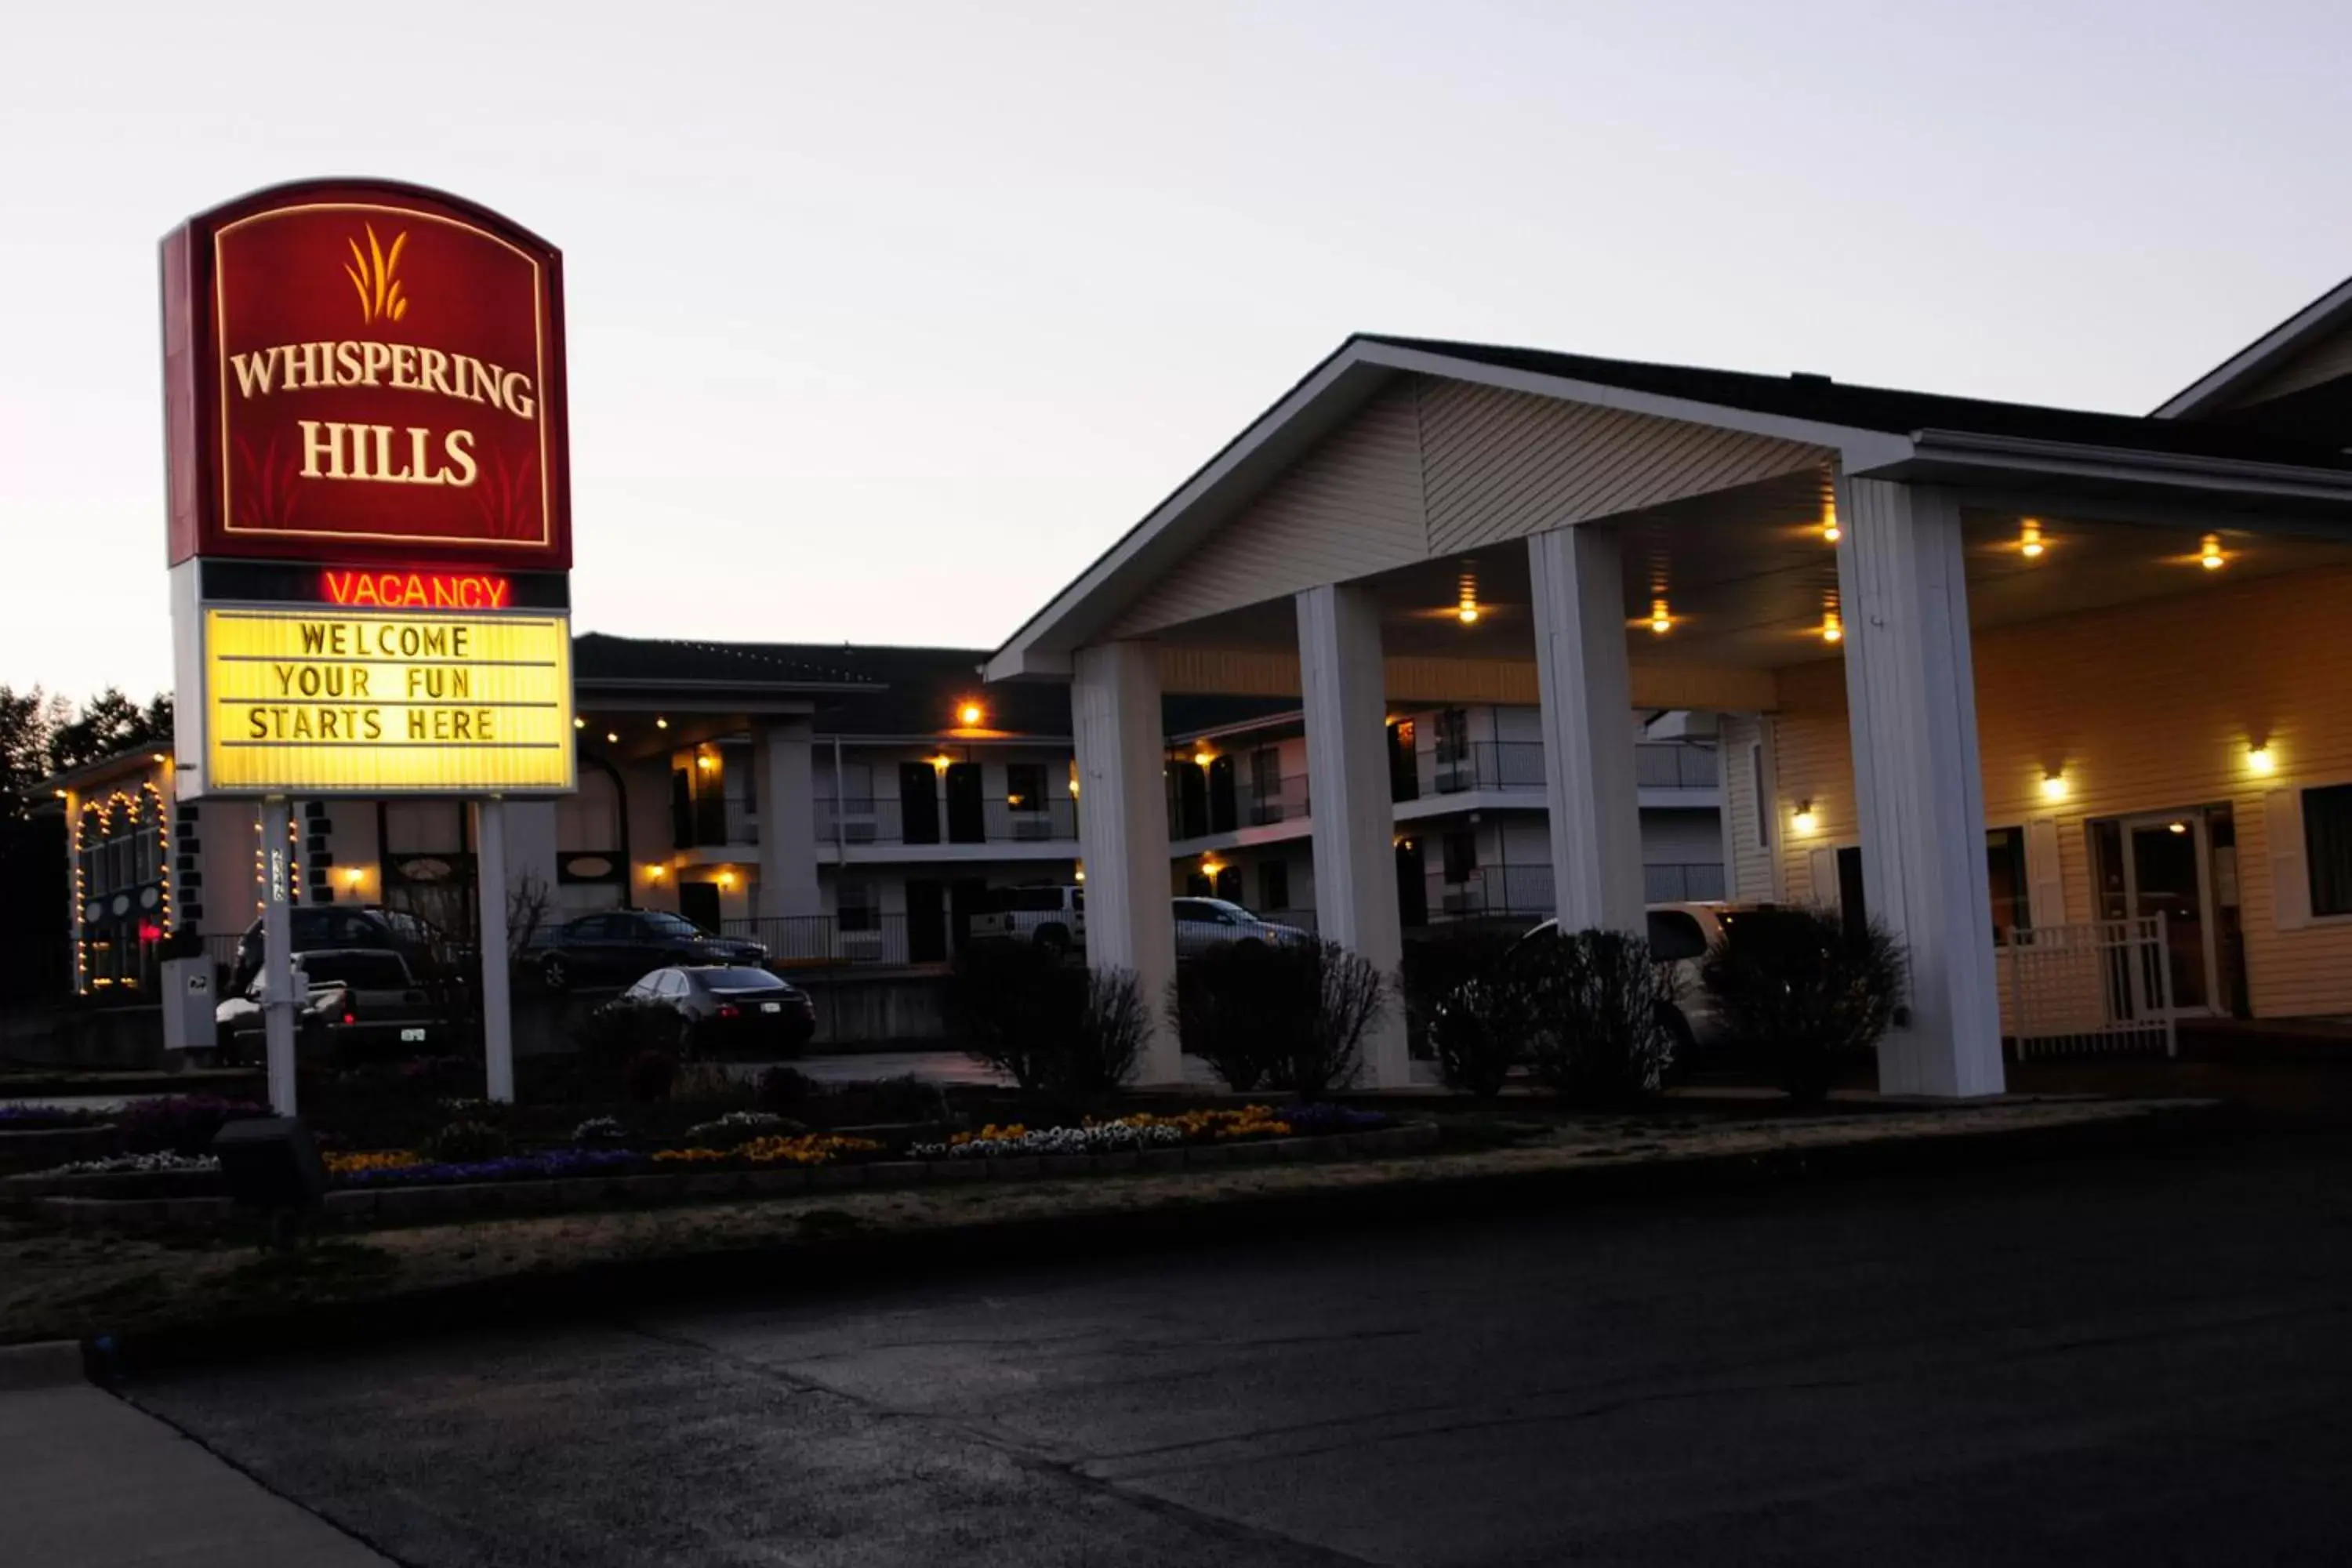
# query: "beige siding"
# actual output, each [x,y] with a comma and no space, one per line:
[2147,707]
[1502,464]
[1350,508]
[1750,871]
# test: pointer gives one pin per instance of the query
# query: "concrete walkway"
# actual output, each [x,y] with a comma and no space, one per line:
[88,1480]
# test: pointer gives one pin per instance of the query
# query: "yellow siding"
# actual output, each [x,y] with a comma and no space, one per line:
[2146,708]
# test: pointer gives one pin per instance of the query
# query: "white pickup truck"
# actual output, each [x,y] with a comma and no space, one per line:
[1053,917]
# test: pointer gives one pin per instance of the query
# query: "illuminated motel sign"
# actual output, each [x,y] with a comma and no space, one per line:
[369,527]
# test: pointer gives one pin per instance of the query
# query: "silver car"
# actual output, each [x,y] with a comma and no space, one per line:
[1203,925]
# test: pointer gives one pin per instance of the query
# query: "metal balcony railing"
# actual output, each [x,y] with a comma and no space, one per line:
[1671,764]
[883,820]
[1490,764]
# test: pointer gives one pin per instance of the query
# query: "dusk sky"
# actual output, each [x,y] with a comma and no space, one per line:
[886,320]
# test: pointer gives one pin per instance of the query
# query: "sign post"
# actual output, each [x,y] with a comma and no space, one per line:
[370,528]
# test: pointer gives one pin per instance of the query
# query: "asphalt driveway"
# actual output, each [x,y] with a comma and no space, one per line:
[2121,1361]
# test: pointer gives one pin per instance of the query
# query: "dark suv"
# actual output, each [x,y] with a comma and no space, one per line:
[431,956]
[620,945]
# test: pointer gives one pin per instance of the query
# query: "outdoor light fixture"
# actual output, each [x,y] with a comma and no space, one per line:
[353,877]
[1804,819]
[703,760]
[580,723]
[611,738]
[2259,758]
[1079,875]
[2209,554]
[1832,628]
[969,714]
[1211,865]
[2175,827]
[942,763]
[661,723]
[2053,786]
[1468,612]
[726,878]
[1831,532]
[1467,606]
[2029,539]
[1661,620]
[653,873]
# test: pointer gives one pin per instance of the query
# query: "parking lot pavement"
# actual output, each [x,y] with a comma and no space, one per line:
[2109,1359]
[87,1481]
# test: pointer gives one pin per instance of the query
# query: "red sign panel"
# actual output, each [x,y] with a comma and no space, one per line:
[362,370]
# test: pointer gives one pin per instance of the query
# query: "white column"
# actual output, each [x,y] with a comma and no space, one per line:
[1918,785]
[281,1005]
[1579,583]
[1123,833]
[1339,676]
[497,1018]
[784,779]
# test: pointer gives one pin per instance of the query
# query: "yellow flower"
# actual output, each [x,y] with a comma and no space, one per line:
[371,1160]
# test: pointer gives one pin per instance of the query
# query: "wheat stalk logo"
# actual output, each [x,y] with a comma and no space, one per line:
[375,273]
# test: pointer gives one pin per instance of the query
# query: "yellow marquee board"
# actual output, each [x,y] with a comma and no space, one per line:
[333,702]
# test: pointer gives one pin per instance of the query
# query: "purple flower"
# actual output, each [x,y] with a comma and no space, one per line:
[553,1162]
[45,1118]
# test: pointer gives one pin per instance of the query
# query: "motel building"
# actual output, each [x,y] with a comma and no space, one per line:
[2048,692]
[847,805]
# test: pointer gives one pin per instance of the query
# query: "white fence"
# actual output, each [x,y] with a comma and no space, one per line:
[2105,985]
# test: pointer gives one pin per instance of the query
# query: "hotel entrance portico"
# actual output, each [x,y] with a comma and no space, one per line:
[1923,619]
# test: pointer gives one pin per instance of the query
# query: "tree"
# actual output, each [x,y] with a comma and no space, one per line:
[27,721]
[107,724]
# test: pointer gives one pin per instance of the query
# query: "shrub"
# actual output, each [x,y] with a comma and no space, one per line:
[180,1123]
[785,1091]
[1805,993]
[709,1082]
[600,1132]
[648,1075]
[1482,1031]
[1599,1006]
[1102,1037]
[1437,964]
[740,1126]
[1293,1016]
[464,1143]
[902,1098]
[1002,998]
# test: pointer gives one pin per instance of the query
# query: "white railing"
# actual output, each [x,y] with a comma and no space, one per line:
[2104,986]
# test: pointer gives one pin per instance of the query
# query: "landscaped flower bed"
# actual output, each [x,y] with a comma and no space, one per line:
[49,1118]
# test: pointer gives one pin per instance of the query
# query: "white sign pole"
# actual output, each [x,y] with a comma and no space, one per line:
[497,1018]
[279,1004]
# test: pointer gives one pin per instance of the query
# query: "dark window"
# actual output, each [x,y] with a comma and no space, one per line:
[1674,935]
[2327,848]
[1453,734]
[858,909]
[1461,856]
[741,980]
[1274,885]
[2005,875]
[1024,786]
[1764,804]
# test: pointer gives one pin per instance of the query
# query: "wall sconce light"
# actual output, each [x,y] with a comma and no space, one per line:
[1661,620]
[726,878]
[653,873]
[2209,554]
[703,760]
[1079,875]
[1804,820]
[1202,757]
[1211,865]
[2259,758]
[1074,787]
[2029,539]
[1467,612]
[942,763]
[2053,786]
[969,714]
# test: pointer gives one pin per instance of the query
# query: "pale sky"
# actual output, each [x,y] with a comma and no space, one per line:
[886,318]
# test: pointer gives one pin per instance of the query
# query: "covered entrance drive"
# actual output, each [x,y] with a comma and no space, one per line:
[1428,523]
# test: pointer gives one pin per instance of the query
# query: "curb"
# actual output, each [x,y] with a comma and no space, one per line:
[44,1363]
[820,1260]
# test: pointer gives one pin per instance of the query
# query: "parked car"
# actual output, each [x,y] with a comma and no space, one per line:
[1051,915]
[432,956]
[360,1002]
[706,1010]
[1203,925]
[617,947]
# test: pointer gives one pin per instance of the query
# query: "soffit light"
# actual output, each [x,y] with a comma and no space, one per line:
[1831,532]
[1662,620]
[611,738]
[969,714]
[661,723]
[1466,608]
[2029,539]
[2209,555]
[2175,827]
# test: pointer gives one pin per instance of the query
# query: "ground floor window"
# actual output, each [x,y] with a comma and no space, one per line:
[859,908]
[1460,851]
[2005,876]
[1274,885]
[2327,848]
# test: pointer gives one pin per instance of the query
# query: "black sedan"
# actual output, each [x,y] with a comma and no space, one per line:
[616,947]
[712,1011]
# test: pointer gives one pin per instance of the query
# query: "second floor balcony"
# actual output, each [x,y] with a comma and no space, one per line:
[883,819]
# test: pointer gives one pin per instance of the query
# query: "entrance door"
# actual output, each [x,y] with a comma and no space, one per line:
[698,901]
[967,815]
[2166,867]
[918,802]
[927,923]
[1412,885]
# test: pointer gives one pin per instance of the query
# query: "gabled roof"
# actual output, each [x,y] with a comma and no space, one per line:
[1874,431]
[1821,400]
[2218,387]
